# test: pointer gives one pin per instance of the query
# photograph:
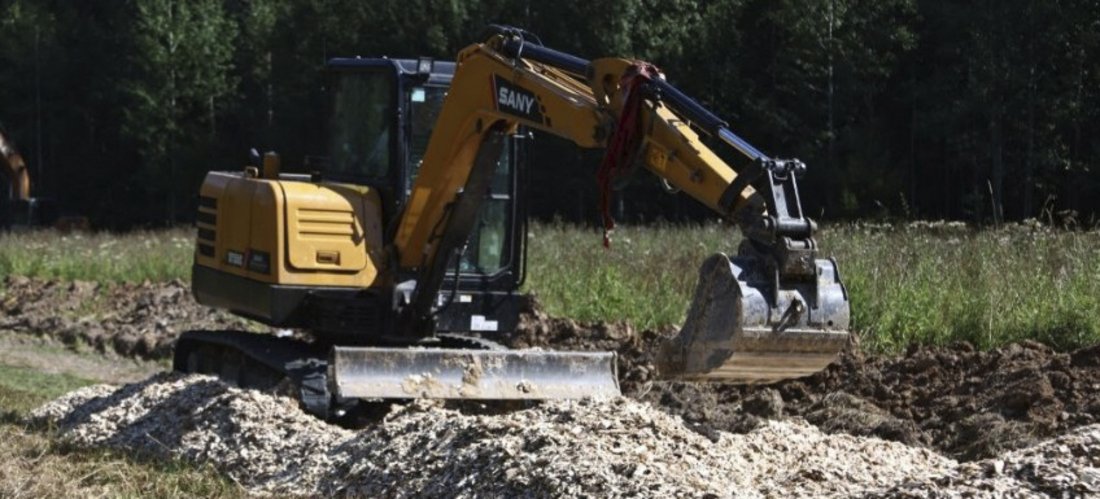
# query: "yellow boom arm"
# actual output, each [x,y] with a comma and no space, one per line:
[491,93]
[772,312]
[15,168]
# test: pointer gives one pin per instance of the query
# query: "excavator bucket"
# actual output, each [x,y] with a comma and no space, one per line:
[367,372]
[746,327]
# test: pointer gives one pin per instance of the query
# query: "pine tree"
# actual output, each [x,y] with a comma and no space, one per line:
[183,76]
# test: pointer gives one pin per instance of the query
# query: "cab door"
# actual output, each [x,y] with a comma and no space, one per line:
[480,290]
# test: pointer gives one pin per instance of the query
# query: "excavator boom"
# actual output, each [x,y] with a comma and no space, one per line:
[773,312]
[23,210]
[16,170]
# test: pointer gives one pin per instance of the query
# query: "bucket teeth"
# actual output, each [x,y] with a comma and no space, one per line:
[739,329]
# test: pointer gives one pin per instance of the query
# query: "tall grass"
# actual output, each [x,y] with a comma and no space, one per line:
[102,257]
[646,277]
[915,283]
[918,283]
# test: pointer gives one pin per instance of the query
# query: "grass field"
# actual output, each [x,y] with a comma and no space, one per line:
[101,257]
[923,283]
[919,283]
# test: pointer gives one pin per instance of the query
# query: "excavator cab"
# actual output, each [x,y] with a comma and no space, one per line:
[382,116]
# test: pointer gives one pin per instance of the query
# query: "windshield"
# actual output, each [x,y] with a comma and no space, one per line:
[486,248]
[424,106]
[359,129]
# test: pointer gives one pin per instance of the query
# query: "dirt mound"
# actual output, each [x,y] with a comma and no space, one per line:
[965,403]
[615,447]
[139,320]
[971,404]
[247,434]
[634,348]
[1068,466]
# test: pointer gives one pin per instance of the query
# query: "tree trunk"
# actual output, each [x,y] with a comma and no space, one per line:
[1029,160]
[996,143]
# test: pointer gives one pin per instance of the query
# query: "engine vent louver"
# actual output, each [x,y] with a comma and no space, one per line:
[325,223]
[206,221]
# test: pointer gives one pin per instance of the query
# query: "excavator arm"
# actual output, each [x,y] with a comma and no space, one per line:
[23,210]
[16,170]
[775,311]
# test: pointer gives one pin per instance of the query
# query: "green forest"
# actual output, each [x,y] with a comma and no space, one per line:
[979,111]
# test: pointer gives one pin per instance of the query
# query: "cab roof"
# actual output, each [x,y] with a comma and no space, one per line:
[438,72]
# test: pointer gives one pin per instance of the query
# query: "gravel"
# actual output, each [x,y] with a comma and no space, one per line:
[962,402]
[1066,466]
[263,442]
[615,447]
[995,406]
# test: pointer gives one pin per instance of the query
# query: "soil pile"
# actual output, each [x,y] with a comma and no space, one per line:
[962,402]
[1067,466]
[615,447]
[140,320]
[968,403]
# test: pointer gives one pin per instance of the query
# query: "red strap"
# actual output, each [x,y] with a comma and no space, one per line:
[625,141]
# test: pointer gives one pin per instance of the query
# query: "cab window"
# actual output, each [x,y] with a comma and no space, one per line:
[487,247]
[360,125]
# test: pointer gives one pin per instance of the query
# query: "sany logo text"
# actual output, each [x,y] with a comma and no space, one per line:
[515,100]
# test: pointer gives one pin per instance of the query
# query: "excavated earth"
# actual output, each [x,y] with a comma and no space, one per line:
[935,422]
[962,402]
[616,447]
[139,320]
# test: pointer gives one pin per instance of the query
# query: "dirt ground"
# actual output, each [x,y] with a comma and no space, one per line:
[964,404]
[48,355]
[615,447]
[138,320]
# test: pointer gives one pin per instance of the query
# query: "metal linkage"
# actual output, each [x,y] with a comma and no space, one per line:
[784,234]
[785,229]
[778,176]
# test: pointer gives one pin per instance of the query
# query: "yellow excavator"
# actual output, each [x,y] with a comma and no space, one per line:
[402,251]
[22,210]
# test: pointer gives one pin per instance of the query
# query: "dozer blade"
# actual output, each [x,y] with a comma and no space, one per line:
[745,327]
[364,372]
